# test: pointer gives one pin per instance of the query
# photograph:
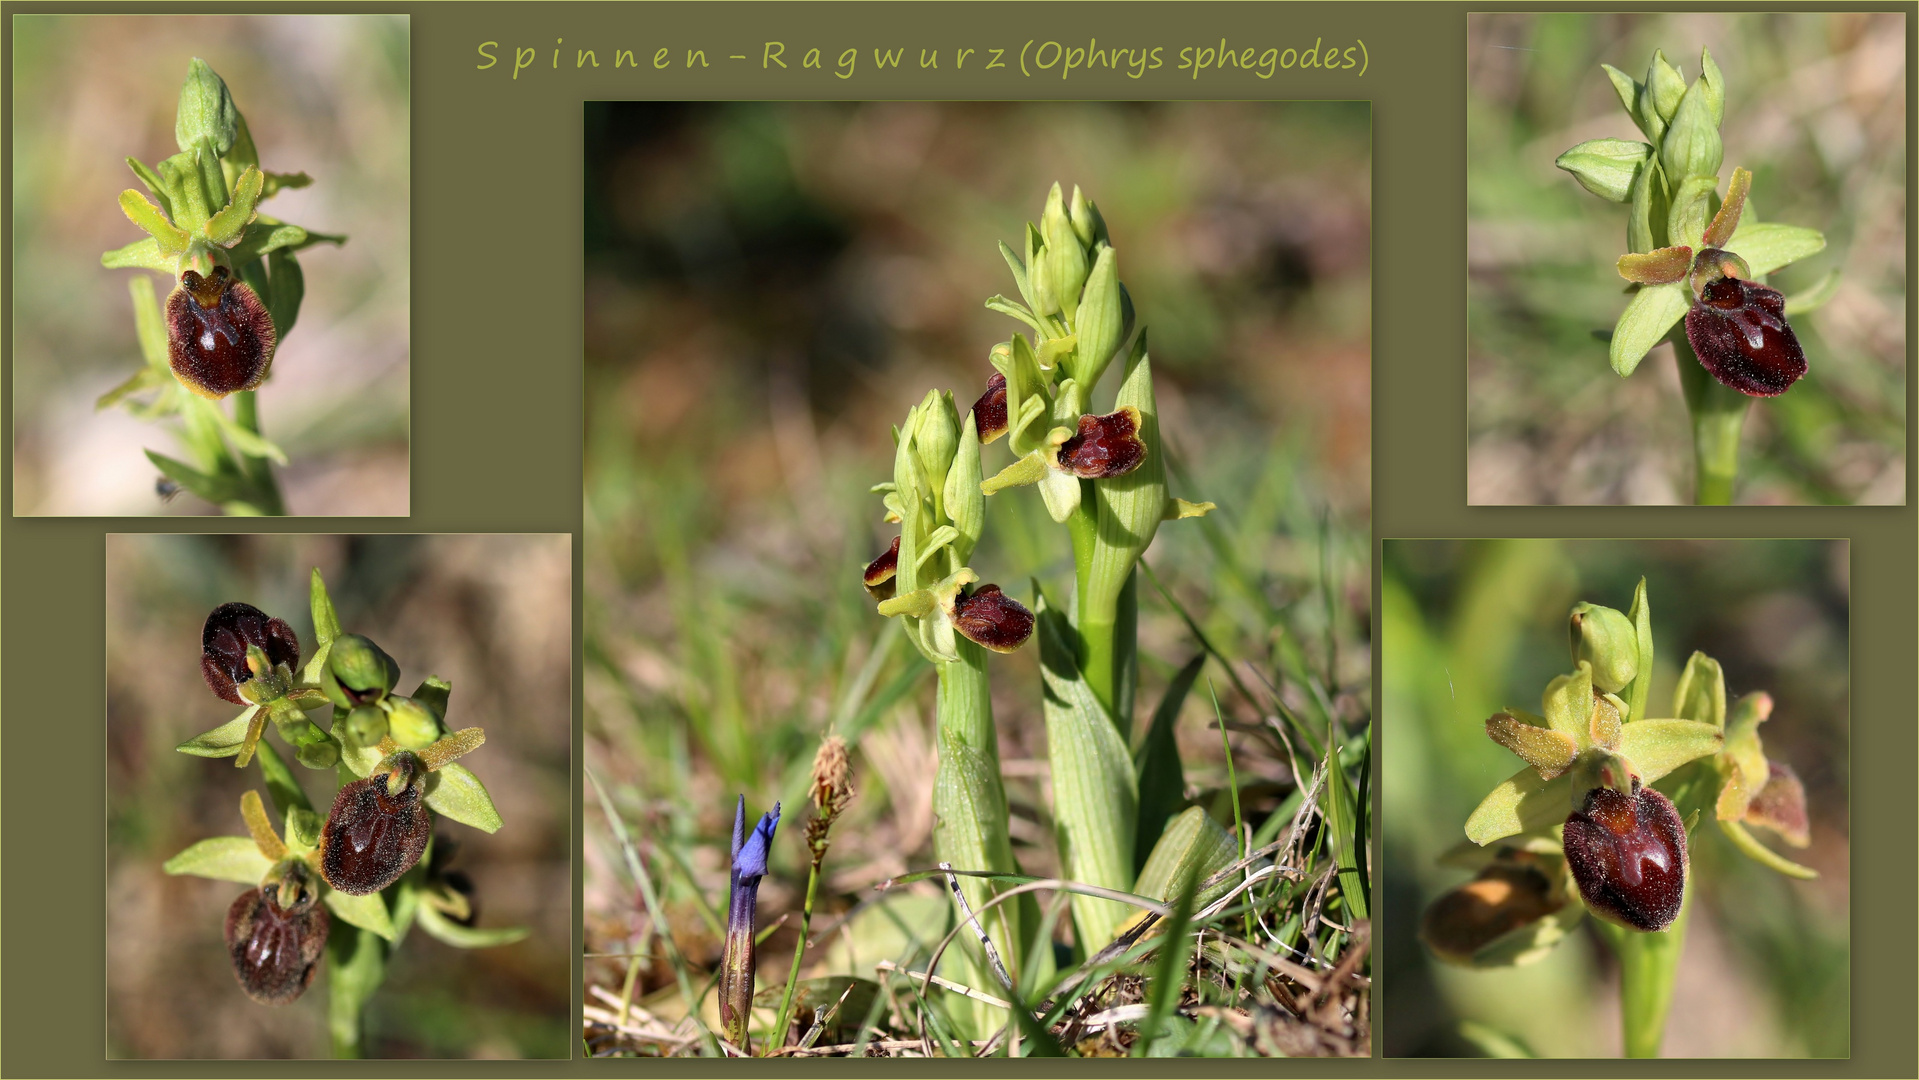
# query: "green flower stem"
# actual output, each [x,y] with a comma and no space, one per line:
[258,471]
[965,703]
[1648,964]
[776,1038]
[1095,611]
[356,967]
[1718,415]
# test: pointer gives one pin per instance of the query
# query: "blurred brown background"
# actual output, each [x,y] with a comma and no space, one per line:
[492,615]
[1816,108]
[327,95]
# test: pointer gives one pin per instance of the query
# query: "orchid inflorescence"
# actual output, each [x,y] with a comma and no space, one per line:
[1581,828]
[372,862]
[237,289]
[1698,258]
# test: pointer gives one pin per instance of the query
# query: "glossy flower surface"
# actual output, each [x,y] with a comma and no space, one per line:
[220,338]
[1739,331]
[1628,854]
[374,834]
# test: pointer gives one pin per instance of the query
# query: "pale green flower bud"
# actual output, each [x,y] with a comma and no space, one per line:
[206,110]
[1063,262]
[937,436]
[412,724]
[1100,323]
[1605,638]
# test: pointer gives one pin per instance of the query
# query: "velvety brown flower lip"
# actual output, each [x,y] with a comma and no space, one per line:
[879,572]
[1503,898]
[275,950]
[989,617]
[229,629]
[1105,446]
[220,338]
[1738,330]
[1628,854]
[372,836]
[989,412]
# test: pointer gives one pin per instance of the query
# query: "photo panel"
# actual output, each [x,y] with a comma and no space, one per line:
[211,220]
[904,548]
[1657,861]
[1687,257]
[387,872]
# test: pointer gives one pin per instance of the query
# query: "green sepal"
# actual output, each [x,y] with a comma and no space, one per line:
[1568,705]
[223,741]
[368,912]
[154,185]
[1550,752]
[1029,469]
[1701,693]
[1814,298]
[1628,89]
[1749,845]
[1715,83]
[1130,507]
[138,383]
[1657,747]
[965,502]
[453,791]
[139,255]
[1646,223]
[1649,316]
[286,289]
[1606,167]
[1523,802]
[1640,690]
[1691,210]
[1018,267]
[1014,308]
[1661,267]
[222,858]
[1100,326]
[1767,245]
[303,830]
[436,924]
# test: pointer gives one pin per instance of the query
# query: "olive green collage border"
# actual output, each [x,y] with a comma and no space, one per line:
[496,435]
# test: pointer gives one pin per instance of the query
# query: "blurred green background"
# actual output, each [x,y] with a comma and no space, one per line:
[1816,108]
[327,95]
[1471,627]
[492,615]
[769,287]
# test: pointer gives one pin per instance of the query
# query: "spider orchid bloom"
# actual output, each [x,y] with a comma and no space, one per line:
[984,616]
[1736,326]
[1102,447]
[750,852]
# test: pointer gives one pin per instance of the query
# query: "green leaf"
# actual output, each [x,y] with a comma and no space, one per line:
[223,741]
[230,224]
[1657,747]
[1606,167]
[1652,311]
[454,791]
[434,922]
[1156,765]
[218,490]
[269,235]
[1095,797]
[368,912]
[1349,841]
[1018,267]
[1192,847]
[1767,245]
[138,383]
[222,858]
[139,255]
[1523,803]
[278,182]
[244,442]
[1014,308]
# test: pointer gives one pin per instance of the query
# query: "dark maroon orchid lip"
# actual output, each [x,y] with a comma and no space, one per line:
[275,951]
[229,629]
[220,338]
[373,836]
[1628,854]
[1105,446]
[880,572]
[989,617]
[989,412]
[1738,330]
